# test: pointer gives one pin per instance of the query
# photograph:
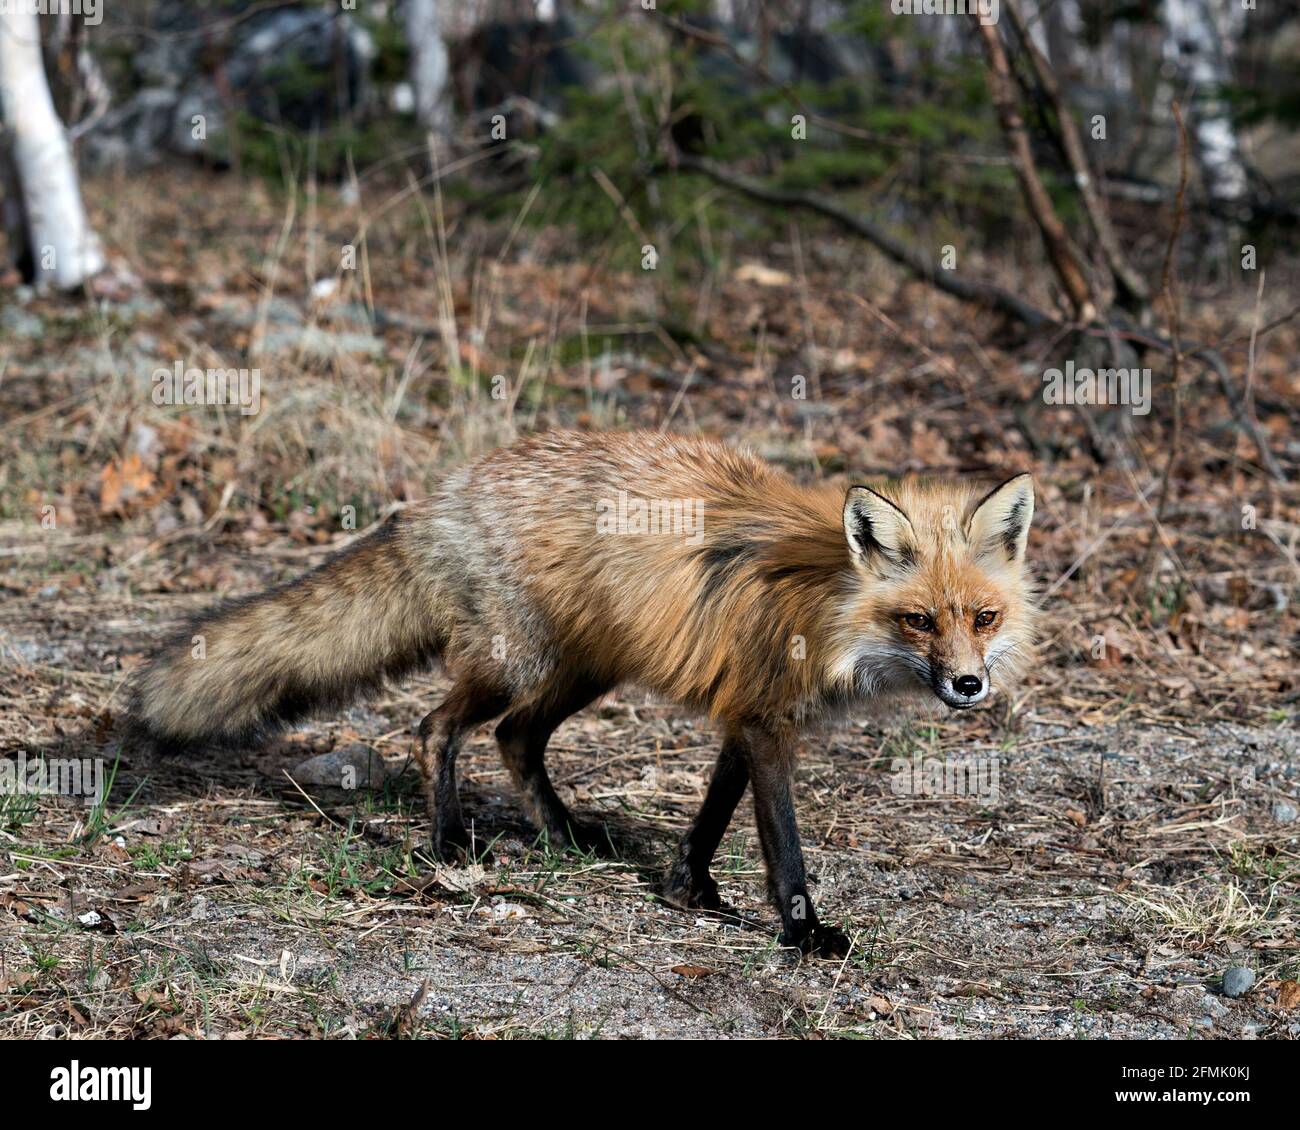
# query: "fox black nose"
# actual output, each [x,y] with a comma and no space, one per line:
[968,685]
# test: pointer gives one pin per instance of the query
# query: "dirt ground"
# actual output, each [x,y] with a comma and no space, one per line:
[1101,890]
[1142,838]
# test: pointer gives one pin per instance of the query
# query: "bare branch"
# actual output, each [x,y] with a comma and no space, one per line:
[1167,280]
[1131,288]
[1064,259]
[946,281]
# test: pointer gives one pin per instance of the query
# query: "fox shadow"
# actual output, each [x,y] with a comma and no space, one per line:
[137,778]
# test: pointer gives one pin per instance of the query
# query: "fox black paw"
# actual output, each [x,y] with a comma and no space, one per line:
[820,941]
[691,892]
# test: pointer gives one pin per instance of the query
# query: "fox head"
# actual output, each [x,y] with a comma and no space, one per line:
[940,601]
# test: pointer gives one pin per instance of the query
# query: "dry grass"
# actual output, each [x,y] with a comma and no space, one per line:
[1203,917]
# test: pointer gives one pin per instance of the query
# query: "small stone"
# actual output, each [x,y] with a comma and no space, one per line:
[21,323]
[350,767]
[323,344]
[1213,1007]
[1237,981]
[1285,813]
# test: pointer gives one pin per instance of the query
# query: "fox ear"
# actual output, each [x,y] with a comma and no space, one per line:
[999,524]
[876,528]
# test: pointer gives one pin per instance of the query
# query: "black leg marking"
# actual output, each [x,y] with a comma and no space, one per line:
[522,737]
[778,833]
[467,706]
[689,884]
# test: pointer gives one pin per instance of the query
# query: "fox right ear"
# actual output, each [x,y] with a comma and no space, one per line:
[999,524]
[876,529]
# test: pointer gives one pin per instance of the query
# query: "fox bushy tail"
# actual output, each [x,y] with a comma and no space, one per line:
[260,662]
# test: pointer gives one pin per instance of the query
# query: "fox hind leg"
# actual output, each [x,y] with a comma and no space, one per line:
[469,704]
[522,736]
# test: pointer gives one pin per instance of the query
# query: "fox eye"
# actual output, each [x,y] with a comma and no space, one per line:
[984,619]
[918,621]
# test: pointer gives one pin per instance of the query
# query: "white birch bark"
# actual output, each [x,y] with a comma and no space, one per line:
[1196,47]
[48,220]
[429,66]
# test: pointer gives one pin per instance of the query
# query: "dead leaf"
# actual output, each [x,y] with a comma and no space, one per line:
[121,481]
[692,972]
[1288,994]
[18,979]
[135,892]
[408,1017]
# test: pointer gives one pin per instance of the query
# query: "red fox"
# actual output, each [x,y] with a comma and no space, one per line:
[555,569]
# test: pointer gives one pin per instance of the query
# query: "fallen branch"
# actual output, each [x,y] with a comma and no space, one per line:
[947,281]
[1243,411]
[1061,252]
[1168,278]
[988,294]
[1213,360]
[1131,289]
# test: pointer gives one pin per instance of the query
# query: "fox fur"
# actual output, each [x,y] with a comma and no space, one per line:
[788,606]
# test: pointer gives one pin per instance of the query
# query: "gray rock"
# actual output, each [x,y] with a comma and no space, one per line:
[1284,813]
[350,767]
[139,306]
[21,323]
[1237,981]
[1213,1007]
[281,65]
[323,344]
[280,311]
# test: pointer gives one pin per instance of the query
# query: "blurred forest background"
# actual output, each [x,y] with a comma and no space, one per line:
[857,237]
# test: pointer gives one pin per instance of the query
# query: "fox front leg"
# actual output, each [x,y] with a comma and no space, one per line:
[689,884]
[770,765]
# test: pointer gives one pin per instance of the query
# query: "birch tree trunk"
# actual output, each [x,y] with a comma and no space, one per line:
[46,222]
[429,67]
[1195,46]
